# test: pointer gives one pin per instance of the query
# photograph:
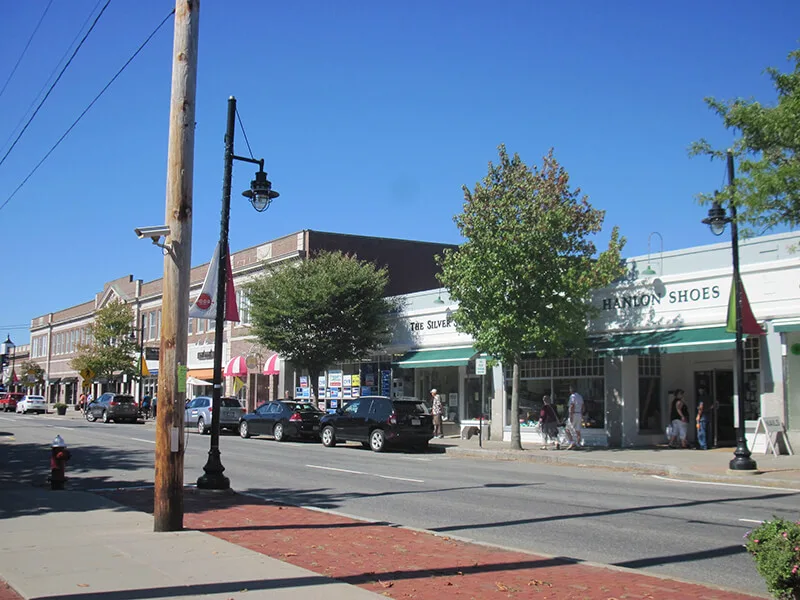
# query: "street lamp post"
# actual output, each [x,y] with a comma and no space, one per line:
[716,220]
[260,195]
[11,346]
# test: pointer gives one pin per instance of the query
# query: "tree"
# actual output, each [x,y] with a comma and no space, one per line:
[330,308]
[112,348]
[32,374]
[768,187]
[523,277]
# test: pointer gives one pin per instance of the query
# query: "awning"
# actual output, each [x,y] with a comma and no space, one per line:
[236,367]
[787,327]
[54,380]
[200,373]
[439,357]
[273,365]
[196,381]
[705,339]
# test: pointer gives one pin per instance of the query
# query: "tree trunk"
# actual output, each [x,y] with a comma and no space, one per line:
[516,441]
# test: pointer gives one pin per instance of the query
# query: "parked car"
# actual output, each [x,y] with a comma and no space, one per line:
[30,403]
[113,407]
[198,414]
[9,400]
[282,419]
[378,421]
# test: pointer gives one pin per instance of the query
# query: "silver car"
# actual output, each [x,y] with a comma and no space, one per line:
[198,414]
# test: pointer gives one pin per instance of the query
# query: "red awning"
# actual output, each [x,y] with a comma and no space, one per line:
[273,365]
[236,367]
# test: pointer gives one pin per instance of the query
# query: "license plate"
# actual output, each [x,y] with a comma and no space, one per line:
[415,421]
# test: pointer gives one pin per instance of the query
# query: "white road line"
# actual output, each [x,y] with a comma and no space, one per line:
[722,483]
[6,419]
[62,427]
[141,440]
[362,473]
[756,521]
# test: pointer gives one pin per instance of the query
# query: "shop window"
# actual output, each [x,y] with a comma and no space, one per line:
[752,353]
[650,419]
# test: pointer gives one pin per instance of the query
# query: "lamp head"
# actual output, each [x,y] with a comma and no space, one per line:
[648,271]
[9,344]
[260,192]
[717,219]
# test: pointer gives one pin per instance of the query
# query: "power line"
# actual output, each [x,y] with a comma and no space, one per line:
[105,6]
[25,49]
[85,110]
[50,76]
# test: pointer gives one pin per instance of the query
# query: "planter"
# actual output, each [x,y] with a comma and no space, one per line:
[61,410]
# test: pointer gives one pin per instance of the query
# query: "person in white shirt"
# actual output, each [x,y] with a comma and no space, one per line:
[575,415]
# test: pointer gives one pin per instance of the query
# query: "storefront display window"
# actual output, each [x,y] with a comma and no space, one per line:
[752,367]
[539,377]
[650,393]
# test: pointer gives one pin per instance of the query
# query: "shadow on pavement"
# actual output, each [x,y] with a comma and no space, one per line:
[685,557]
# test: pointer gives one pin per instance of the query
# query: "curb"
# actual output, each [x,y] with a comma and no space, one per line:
[621,465]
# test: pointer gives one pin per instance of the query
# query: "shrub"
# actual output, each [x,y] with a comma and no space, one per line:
[775,546]
[58,405]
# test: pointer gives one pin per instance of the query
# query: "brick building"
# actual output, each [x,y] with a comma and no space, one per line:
[55,336]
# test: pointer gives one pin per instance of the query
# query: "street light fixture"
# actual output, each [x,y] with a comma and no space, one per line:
[716,220]
[10,346]
[260,195]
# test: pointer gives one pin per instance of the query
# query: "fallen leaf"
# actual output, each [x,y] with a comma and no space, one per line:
[501,587]
[459,572]
[290,554]
[538,582]
[386,584]
[448,583]
[83,585]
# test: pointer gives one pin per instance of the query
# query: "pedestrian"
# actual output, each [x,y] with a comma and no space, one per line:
[679,418]
[548,423]
[154,405]
[89,400]
[575,417]
[146,406]
[287,396]
[82,401]
[705,410]
[437,410]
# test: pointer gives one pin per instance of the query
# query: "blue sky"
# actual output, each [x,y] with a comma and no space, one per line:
[370,116]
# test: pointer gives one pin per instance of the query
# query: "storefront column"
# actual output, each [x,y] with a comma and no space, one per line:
[772,398]
[613,410]
[498,402]
[792,388]
[630,400]
[461,409]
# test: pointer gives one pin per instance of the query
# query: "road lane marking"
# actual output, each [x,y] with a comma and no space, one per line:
[722,483]
[62,427]
[141,440]
[363,473]
[7,419]
[756,521]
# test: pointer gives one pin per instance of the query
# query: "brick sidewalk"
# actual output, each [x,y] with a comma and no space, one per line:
[400,563]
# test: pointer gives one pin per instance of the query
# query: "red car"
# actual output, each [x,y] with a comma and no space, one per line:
[8,400]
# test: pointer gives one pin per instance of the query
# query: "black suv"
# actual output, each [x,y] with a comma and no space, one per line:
[113,407]
[378,421]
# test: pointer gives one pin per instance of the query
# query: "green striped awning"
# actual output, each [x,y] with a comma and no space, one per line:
[703,339]
[440,357]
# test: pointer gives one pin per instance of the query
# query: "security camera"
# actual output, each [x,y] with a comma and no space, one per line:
[154,233]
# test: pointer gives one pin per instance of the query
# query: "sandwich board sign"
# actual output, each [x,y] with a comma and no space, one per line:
[772,429]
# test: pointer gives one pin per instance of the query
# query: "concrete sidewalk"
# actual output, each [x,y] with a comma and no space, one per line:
[81,546]
[703,465]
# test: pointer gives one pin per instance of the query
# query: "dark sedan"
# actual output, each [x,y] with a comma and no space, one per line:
[282,419]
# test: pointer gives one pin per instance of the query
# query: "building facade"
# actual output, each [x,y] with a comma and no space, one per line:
[55,337]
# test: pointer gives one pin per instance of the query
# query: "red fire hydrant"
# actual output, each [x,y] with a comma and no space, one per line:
[59,455]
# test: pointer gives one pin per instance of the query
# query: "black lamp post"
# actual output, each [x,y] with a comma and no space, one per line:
[9,347]
[260,195]
[716,220]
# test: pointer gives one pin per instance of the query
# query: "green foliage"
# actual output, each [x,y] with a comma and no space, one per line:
[327,309]
[775,546]
[523,277]
[31,374]
[767,190]
[112,348]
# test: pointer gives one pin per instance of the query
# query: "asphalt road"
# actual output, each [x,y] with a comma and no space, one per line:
[688,531]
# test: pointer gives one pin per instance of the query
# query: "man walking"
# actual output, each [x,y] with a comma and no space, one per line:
[575,415]
[437,410]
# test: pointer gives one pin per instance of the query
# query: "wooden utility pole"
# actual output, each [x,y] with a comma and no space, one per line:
[168,509]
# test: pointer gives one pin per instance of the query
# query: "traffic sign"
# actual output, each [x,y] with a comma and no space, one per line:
[87,374]
[480,366]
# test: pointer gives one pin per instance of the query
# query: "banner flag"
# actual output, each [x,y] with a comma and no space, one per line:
[237,384]
[143,370]
[749,324]
[205,307]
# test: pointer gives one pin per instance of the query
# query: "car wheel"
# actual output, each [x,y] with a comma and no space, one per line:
[328,439]
[279,432]
[377,440]
[243,430]
[105,417]
[90,417]
[201,426]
